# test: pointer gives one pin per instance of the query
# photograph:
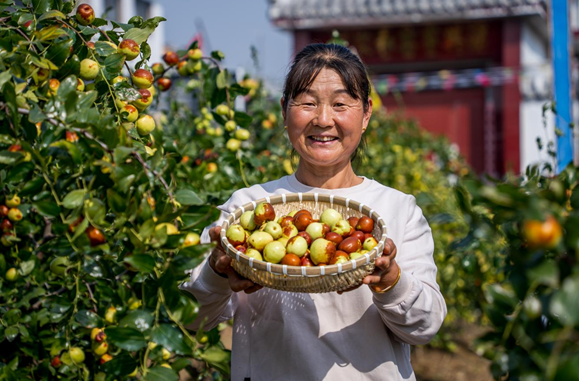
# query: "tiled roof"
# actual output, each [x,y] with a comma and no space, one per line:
[301,14]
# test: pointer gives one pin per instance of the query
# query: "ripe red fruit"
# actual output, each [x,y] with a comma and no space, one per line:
[359,235]
[171,58]
[95,236]
[353,221]
[6,225]
[306,262]
[350,244]
[334,237]
[542,234]
[55,362]
[241,248]
[365,224]
[71,137]
[307,237]
[3,210]
[263,213]
[291,260]
[85,14]
[142,78]
[339,257]
[15,148]
[285,220]
[367,235]
[130,49]
[164,83]
[302,220]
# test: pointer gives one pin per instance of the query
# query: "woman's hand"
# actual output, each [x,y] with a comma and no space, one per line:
[220,262]
[386,271]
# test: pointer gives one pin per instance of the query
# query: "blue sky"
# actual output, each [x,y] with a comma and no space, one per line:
[232,26]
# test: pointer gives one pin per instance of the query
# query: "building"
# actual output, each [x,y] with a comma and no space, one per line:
[477,71]
[123,10]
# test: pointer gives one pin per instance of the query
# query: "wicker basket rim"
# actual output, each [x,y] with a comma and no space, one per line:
[303,271]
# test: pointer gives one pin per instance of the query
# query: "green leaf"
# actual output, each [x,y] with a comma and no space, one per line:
[52,14]
[32,187]
[71,148]
[222,79]
[565,302]
[170,338]
[121,365]
[88,319]
[74,199]
[242,119]
[159,373]
[5,77]
[128,339]
[11,333]
[114,63]
[217,357]
[142,262]
[188,197]
[139,35]
[546,273]
[26,267]
[58,53]
[218,55]
[47,208]
[7,157]
[104,49]
[138,319]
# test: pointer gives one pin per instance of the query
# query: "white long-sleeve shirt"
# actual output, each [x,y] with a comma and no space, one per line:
[358,335]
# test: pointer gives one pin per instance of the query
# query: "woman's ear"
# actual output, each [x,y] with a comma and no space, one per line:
[281,102]
[367,115]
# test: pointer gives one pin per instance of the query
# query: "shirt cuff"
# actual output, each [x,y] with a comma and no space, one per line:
[397,294]
[212,281]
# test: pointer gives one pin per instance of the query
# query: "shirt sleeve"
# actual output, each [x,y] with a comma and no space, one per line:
[217,303]
[414,309]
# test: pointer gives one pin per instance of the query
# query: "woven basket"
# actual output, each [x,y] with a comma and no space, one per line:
[315,279]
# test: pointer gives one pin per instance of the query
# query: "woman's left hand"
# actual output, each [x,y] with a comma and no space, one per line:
[386,270]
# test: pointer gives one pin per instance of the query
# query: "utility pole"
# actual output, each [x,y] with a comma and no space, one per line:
[561,52]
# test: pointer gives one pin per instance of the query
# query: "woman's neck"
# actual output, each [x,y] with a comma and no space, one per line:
[328,178]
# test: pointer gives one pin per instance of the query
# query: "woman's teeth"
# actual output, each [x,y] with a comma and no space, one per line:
[323,138]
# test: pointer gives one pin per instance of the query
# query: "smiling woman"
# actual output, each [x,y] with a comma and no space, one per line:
[362,334]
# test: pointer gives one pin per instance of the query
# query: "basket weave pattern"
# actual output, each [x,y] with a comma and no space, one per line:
[316,279]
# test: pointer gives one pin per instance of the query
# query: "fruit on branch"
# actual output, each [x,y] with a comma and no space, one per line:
[158,68]
[110,315]
[59,265]
[95,236]
[76,355]
[145,124]
[98,335]
[222,110]
[14,214]
[119,79]
[142,78]
[130,49]
[195,54]
[71,137]
[89,69]
[13,201]
[183,68]
[170,228]
[211,167]
[230,126]
[542,234]
[85,14]
[5,225]
[241,134]
[105,358]
[165,354]
[79,84]
[55,362]
[164,83]
[191,239]
[11,274]
[129,113]
[233,145]
[171,58]
[100,349]
[53,85]
[40,74]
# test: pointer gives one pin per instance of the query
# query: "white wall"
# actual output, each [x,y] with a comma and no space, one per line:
[536,85]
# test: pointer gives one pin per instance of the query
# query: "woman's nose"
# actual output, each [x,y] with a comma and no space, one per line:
[325,117]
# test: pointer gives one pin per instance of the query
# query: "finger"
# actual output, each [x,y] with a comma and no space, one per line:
[372,279]
[237,282]
[252,289]
[383,263]
[222,264]
[214,233]
[390,249]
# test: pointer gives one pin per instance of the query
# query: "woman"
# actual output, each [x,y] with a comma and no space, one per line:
[363,334]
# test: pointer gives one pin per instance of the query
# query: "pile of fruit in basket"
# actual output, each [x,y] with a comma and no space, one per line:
[298,239]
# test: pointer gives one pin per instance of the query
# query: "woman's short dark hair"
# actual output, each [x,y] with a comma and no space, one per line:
[310,61]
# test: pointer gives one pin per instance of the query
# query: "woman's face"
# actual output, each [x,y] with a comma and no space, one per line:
[325,123]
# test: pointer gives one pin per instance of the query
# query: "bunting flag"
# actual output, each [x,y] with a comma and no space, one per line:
[455,79]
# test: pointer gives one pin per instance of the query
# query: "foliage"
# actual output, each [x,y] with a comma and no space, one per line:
[106,232]
[535,310]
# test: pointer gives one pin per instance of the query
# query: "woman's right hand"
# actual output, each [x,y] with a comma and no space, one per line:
[220,262]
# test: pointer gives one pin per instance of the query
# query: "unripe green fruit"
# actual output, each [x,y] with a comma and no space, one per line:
[76,355]
[119,79]
[222,110]
[158,68]
[100,376]
[110,315]
[233,145]
[100,349]
[191,239]
[145,124]
[130,113]
[12,274]
[241,134]
[14,215]
[89,69]
[230,125]
[166,354]
[195,54]
[59,265]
